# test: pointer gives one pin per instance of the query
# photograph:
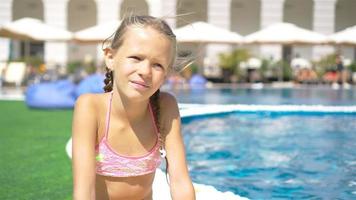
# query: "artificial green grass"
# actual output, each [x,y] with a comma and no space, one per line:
[34,164]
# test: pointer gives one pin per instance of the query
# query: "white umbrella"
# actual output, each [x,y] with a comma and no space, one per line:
[33,29]
[98,33]
[285,33]
[202,32]
[347,36]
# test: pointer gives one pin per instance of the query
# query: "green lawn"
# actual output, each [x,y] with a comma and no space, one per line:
[34,164]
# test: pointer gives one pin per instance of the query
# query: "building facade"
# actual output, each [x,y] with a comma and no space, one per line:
[242,16]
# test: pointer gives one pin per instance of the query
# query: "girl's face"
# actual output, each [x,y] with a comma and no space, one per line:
[141,63]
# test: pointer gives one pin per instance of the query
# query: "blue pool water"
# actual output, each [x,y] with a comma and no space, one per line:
[268,96]
[274,155]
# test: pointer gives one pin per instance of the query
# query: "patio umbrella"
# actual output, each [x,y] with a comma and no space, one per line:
[346,36]
[33,30]
[285,33]
[96,34]
[202,32]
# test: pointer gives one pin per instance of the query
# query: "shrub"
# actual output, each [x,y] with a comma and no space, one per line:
[230,61]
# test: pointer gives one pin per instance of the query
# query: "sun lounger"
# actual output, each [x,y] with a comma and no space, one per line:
[15,73]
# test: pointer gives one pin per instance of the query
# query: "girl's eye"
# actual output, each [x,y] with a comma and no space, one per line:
[135,58]
[158,65]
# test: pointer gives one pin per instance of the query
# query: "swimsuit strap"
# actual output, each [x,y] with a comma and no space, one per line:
[107,123]
[161,143]
[155,125]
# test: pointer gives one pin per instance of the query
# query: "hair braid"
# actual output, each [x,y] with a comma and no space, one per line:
[154,100]
[109,80]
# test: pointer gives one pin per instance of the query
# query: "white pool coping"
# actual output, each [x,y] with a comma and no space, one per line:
[188,110]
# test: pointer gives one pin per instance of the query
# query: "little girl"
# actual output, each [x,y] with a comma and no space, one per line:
[120,136]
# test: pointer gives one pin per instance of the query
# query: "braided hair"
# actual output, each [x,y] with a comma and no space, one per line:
[162,27]
[109,80]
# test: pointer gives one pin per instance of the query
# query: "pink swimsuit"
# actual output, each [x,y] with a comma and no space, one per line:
[110,163]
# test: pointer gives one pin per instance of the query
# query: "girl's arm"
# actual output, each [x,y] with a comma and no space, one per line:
[83,136]
[180,183]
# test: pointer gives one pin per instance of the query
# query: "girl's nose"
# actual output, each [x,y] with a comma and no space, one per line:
[144,69]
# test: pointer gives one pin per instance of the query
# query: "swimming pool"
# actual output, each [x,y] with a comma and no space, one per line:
[321,95]
[275,154]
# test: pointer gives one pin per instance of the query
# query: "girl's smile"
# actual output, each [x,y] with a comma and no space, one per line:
[139,85]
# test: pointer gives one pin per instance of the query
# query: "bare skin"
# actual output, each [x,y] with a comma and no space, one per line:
[140,67]
[138,187]
[135,188]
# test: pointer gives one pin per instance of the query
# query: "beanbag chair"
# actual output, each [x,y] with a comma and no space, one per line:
[197,82]
[91,84]
[51,95]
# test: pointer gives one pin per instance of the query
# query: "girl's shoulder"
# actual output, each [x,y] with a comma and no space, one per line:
[168,104]
[167,98]
[93,102]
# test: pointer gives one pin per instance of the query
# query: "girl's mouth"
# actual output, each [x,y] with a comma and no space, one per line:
[139,85]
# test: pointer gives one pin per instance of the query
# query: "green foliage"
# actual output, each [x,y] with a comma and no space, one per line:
[352,67]
[265,65]
[73,66]
[34,61]
[232,60]
[265,68]
[282,70]
[90,68]
[227,60]
[31,60]
[194,68]
[326,63]
[287,71]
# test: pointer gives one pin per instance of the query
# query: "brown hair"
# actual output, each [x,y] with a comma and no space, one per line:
[142,21]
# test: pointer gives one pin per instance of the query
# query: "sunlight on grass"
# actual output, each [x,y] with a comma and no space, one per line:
[34,162]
